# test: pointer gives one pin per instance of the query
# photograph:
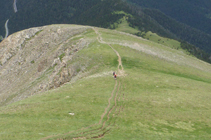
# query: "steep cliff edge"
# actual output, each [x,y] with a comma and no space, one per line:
[36,60]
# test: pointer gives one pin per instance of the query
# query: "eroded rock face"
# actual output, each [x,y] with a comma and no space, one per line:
[36,60]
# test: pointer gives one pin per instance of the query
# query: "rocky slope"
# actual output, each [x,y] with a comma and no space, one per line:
[36,60]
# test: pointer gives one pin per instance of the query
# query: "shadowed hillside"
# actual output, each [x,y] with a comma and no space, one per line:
[195,13]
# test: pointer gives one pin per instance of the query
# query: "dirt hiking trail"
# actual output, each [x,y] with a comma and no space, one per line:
[120,67]
[109,116]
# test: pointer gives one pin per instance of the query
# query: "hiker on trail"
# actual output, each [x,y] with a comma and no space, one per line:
[115,76]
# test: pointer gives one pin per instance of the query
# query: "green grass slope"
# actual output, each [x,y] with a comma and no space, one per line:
[124,27]
[160,93]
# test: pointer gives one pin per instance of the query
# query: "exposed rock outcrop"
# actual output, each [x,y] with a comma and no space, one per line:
[38,59]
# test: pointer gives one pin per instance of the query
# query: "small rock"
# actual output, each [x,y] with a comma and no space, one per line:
[71,114]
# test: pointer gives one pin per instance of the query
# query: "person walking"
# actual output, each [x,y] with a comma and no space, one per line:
[115,76]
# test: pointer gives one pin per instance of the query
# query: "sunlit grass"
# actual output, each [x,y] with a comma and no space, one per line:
[162,40]
[124,27]
[159,99]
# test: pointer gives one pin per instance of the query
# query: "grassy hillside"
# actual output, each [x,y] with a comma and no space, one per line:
[160,93]
[124,27]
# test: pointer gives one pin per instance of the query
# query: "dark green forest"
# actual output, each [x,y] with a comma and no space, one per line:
[200,54]
[184,32]
[195,13]
[34,13]
[145,15]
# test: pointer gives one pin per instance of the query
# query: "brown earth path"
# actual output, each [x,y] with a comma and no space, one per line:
[120,67]
[120,73]
[102,130]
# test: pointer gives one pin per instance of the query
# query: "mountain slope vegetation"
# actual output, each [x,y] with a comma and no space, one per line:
[160,92]
[195,13]
[110,14]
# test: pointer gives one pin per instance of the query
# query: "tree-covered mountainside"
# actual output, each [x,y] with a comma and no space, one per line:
[182,31]
[6,9]
[195,13]
[33,13]
[109,14]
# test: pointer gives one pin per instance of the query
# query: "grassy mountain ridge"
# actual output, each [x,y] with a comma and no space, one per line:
[106,14]
[159,92]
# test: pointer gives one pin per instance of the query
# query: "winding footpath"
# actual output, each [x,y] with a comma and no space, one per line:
[107,121]
[120,67]
[106,125]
